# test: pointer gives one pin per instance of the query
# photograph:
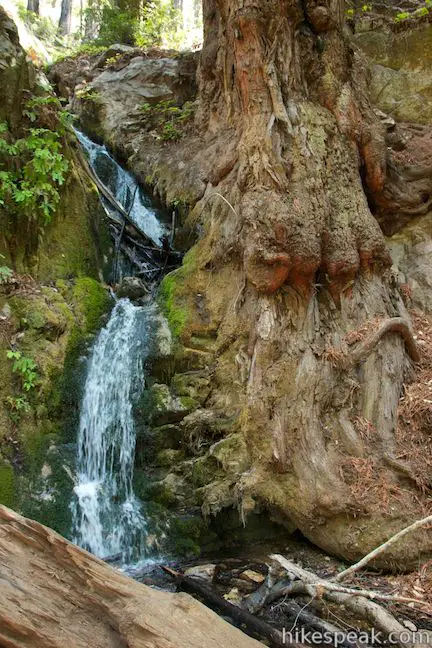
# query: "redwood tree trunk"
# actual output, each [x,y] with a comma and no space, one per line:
[300,155]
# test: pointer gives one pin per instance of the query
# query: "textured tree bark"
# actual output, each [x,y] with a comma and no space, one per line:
[307,156]
[54,594]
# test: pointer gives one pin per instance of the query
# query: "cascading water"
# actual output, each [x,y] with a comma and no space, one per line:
[107,517]
[123,187]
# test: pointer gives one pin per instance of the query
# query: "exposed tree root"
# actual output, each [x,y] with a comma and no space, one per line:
[391,325]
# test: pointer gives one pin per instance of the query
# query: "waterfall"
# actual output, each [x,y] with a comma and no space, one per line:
[123,186]
[107,517]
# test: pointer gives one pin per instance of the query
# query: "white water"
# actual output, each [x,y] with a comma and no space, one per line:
[123,187]
[107,517]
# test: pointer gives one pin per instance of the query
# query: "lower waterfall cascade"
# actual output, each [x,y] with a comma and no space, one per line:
[107,517]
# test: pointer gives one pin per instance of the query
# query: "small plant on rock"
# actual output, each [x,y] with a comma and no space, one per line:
[25,368]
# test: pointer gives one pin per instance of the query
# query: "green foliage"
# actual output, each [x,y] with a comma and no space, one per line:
[117,26]
[5,272]
[42,26]
[156,24]
[422,11]
[33,167]
[25,368]
[17,405]
[112,60]
[170,132]
[167,118]
[32,185]
[401,16]
[161,25]
[89,94]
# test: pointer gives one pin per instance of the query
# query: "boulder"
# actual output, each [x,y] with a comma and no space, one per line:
[56,594]
[132,287]
[122,89]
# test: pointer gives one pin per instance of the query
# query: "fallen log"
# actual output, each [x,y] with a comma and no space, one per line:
[252,625]
[54,594]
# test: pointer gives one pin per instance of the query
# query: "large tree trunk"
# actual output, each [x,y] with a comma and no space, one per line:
[65,17]
[300,155]
[33,5]
[54,594]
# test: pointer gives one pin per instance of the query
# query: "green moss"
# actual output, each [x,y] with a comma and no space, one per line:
[205,470]
[186,535]
[93,300]
[152,492]
[171,298]
[176,315]
[46,313]
[7,485]
[231,453]
[169,457]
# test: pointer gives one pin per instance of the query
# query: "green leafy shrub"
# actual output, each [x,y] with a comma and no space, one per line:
[25,368]
[161,26]
[41,26]
[32,185]
[401,16]
[117,26]
[158,23]
[89,94]
[32,168]
[17,405]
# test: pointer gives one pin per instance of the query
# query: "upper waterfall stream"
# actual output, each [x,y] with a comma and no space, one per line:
[107,518]
[123,186]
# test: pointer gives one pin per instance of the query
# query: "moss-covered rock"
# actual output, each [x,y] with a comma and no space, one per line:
[7,485]
[51,326]
[231,453]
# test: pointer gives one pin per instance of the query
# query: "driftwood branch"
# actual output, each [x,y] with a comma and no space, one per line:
[379,617]
[110,198]
[382,548]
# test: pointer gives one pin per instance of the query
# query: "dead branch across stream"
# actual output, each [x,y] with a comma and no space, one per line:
[149,258]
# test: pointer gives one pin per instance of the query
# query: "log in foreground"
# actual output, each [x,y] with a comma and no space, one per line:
[54,594]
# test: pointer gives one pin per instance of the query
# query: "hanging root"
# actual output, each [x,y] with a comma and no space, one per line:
[390,325]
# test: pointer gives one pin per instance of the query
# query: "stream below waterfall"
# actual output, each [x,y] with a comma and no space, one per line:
[107,517]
